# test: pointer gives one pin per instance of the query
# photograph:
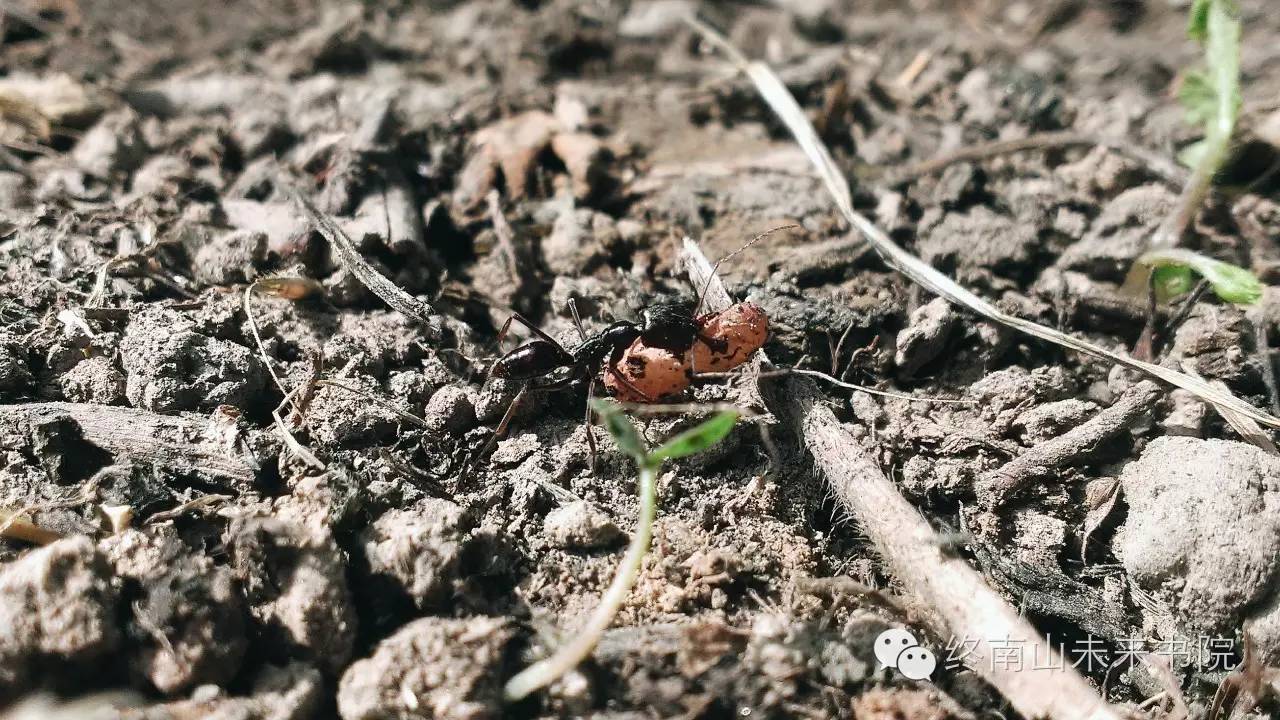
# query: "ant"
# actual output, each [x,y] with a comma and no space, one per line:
[538,363]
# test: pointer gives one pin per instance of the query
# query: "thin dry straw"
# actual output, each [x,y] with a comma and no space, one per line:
[782,103]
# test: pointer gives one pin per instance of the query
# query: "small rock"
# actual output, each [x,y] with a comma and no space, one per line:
[894,703]
[1203,527]
[979,240]
[933,477]
[925,336]
[418,550]
[94,380]
[577,241]
[259,130]
[1001,394]
[287,230]
[1038,538]
[60,98]
[580,525]
[981,105]
[169,366]
[293,692]
[1120,234]
[450,410]
[339,417]
[231,258]
[194,605]
[957,183]
[654,18]
[15,375]
[15,190]
[1221,344]
[114,145]
[1187,414]
[1101,172]
[294,577]
[439,668]
[411,386]
[161,175]
[1051,419]
[57,607]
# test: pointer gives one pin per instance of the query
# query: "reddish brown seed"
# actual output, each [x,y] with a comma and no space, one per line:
[646,374]
[734,333]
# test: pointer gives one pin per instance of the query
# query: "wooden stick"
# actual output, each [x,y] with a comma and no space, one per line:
[1075,446]
[174,442]
[955,600]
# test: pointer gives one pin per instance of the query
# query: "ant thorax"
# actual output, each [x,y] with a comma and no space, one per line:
[670,326]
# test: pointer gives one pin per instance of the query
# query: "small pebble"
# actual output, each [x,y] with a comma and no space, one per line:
[580,525]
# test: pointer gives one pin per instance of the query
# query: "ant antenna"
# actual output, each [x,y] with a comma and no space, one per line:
[706,286]
[577,321]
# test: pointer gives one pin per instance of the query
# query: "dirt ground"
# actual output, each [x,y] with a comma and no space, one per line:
[498,156]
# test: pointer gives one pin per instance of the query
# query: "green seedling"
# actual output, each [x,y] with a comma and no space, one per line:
[648,464]
[1173,270]
[1211,96]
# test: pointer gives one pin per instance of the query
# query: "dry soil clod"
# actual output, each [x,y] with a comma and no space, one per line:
[1073,447]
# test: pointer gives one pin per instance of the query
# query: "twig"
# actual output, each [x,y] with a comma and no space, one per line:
[149,438]
[377,401]
[199,503]
[506,236]
[257,339]
[1268,364]
[1075,446]
[1157,165]
[788,372]
[958,601]
[16,526]
[399,300]
[784,105]
[308,391]
[298,449]
[1184,310]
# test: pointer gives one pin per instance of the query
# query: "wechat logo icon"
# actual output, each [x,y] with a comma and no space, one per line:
[897,648]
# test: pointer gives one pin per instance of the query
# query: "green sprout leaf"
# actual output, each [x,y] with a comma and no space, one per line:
[1198,23]
[696,439]
[620,427]
[1197,95]
[1173,268]
[1173,281]
[1212,95]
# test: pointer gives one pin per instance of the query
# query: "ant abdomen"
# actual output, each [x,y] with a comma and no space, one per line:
[534,359]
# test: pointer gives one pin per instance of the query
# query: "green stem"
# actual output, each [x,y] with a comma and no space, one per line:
[545,672]
[1222,49]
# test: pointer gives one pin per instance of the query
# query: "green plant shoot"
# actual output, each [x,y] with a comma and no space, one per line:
[1212,95]
[1173,269]
[628,439]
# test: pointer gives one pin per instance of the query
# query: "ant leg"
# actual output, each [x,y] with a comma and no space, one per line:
[501,430]
[517,317]
[577,321]
[587,422]
[624,382]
